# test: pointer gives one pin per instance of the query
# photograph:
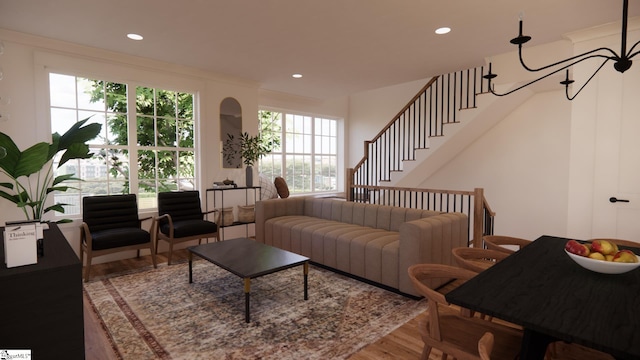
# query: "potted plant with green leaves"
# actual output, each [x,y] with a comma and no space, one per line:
[31,171]
[250,148]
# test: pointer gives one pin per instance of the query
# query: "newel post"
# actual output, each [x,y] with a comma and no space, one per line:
[478,212]
[349,184]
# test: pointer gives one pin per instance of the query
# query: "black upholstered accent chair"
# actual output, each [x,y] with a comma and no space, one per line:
[180,218]
[110,224]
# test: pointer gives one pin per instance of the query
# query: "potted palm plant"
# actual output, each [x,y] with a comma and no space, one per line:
[31,180]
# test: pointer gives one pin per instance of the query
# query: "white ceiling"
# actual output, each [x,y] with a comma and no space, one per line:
[340,46]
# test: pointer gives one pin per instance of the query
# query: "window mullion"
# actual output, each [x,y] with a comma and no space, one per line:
[283,147]
[155,141]
[132,120]
[312,154]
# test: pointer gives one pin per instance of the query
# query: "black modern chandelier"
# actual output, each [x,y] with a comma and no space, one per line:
[622,62]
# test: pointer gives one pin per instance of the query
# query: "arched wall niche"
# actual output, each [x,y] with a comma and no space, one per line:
[230,128]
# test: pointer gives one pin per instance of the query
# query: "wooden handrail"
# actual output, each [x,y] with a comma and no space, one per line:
[406,107]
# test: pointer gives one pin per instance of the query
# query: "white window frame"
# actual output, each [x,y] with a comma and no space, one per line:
[340,161]
[46,63]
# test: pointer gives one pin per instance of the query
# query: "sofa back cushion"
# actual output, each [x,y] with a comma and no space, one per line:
[336,210]
[105,212]
[376,216]
[358,213]
[180,205]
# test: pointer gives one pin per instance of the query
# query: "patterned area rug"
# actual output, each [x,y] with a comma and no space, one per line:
[157,314]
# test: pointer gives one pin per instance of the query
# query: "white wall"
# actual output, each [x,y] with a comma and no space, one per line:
[523,165]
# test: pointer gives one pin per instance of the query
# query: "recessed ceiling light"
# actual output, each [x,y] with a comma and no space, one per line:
[134,36]
[442,30]
[297,76]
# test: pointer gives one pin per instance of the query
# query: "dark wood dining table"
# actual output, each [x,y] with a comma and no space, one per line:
[542,289]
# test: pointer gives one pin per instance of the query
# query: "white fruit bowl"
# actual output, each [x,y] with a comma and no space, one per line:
[601,266]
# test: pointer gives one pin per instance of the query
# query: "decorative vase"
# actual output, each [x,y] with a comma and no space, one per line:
[249,175]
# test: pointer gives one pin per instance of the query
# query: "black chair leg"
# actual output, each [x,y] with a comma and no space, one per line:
[170,253]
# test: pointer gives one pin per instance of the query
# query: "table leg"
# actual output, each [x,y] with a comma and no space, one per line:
[534,345]
[306,280]
[247,292]
[190,267]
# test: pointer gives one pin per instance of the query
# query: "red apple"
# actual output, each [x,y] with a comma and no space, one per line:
[577,248]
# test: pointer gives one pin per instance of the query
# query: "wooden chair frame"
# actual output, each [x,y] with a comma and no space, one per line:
[497,242]
[454,333]
[477,259]
[159,235]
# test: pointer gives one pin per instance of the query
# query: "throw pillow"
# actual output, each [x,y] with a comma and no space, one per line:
[268,189]
[281,186]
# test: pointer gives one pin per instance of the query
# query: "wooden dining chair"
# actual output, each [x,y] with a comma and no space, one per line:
[507,244]
[451,331]
[477,259]
[485,346]
[560,350]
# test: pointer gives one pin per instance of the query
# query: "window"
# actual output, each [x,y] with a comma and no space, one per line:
[308,154]
[151,128]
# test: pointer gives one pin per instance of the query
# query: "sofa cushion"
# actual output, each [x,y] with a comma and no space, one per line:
[186,228]
[119,237]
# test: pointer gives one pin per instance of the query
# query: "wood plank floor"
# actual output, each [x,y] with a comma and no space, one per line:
[403,343]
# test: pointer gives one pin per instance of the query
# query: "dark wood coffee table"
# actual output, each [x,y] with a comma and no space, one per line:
[248,259]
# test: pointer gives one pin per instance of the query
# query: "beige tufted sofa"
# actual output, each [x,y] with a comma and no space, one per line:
[374,242]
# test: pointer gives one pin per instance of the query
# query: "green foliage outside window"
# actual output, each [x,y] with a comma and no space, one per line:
[164,120]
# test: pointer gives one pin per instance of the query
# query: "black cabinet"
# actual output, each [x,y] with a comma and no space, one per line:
[41,308]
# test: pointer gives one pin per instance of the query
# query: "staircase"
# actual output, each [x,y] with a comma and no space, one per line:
[472,123]
[448,114]
[442,119]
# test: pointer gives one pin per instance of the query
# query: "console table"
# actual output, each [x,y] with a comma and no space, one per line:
[257,190]
[42,307]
